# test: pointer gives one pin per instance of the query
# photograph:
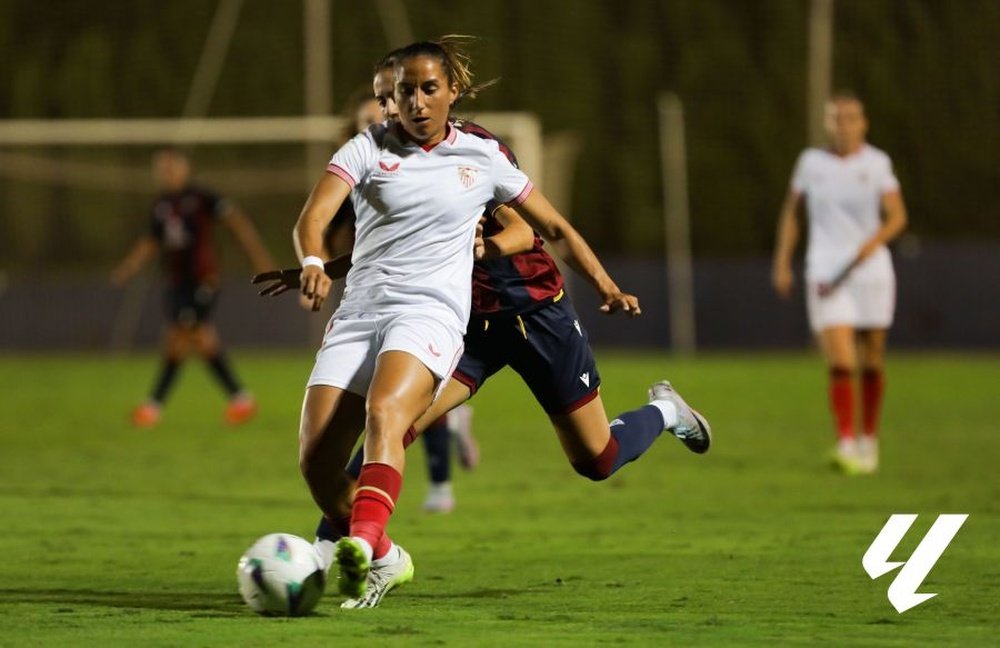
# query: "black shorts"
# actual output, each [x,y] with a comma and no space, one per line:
[548,348]
[190,305]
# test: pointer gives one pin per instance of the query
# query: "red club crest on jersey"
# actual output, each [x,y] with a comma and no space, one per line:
[467,175]
[389,168]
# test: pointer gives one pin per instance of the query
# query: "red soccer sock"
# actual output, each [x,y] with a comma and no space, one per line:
[842,401]
[375,498]
[872,389]
[381,548]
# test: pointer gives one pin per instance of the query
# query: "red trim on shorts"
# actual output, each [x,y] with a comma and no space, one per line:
[465,380]
[341,173]
[578,403]
[521,197]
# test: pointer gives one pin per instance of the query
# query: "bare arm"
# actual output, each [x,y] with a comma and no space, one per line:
[893,223]
[515,237]
[140,254]
[245,232]
[784,247]
[543,217]
[325,199]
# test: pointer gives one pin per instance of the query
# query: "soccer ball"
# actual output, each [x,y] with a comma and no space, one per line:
[281,575]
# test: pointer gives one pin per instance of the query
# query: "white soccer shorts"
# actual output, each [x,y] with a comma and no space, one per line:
[861,302]
[352,344]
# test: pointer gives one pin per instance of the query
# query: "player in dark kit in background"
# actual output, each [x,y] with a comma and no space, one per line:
[182,229]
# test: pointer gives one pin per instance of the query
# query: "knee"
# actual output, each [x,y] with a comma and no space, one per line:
[382,416]
[591,469]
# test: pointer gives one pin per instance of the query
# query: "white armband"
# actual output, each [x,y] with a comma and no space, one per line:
[313,261]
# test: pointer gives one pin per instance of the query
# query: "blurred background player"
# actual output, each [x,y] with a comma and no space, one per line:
[364,109]
[854,208]
[182,230]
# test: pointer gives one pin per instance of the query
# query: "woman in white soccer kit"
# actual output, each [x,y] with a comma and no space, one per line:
[418,187]
[854,207]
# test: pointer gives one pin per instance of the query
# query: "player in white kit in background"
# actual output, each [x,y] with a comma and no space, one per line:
[854,208]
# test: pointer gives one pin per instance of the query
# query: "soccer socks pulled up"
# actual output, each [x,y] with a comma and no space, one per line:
[333,529]
[378,489]
[437,444]
[631,435]
[872,391]
[166,379]
[223,372]
[841,392]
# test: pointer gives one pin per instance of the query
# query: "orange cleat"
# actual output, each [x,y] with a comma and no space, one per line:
[146,415]
[241,409]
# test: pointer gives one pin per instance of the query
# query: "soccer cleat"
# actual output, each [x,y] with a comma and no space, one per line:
[868,455]
[146,415]
[241,408]
[354,566]
[440,499]
[692,428]
[845,458]
[382,579]
[459,422]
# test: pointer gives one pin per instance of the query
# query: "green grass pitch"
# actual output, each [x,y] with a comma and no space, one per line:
[114,536]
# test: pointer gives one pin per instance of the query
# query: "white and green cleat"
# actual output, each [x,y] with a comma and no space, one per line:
[691,427]
[354,567]
[382,579]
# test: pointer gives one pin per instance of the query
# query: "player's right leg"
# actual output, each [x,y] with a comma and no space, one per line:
[837,343]
[871,351]
[175,349]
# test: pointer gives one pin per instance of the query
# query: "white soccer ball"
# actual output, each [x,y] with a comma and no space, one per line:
[281,575]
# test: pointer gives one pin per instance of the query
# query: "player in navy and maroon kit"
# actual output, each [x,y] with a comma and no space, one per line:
[182,230]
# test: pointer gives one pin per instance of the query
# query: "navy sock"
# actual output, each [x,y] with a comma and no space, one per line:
[219,365]
[333,531]
[437,444]
[354,466]
[637,431]
[168,374]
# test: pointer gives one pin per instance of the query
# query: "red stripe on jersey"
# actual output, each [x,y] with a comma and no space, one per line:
[341,173]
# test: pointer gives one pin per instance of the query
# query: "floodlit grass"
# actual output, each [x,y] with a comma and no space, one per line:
[116,536]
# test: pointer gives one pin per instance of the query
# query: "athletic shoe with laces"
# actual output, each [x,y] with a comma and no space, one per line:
[146,415]
[692,428]
[241,408]
[382,579]
[459,421]
[354,566]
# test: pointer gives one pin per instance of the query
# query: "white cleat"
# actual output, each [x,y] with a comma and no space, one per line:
[440,499]
[459,421]
[692,428]
[382,579]
[868,455]
[846,457]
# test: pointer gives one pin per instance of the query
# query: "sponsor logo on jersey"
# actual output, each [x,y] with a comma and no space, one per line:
[436,354]
[576,325]
[467,176]
[585,378]
[388,169]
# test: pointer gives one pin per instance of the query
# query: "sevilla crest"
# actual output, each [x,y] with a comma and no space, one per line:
[467,175]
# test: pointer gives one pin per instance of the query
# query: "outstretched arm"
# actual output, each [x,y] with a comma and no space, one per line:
[245,232]
[140,254]
[515,237]
[327,196]
[784,247]
[541,215]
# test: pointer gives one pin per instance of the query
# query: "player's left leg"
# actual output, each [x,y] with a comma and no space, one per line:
[871,351]
[402,388]
[241,407]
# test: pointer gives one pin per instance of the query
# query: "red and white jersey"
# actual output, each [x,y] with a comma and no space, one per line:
[417,211]
[843,197]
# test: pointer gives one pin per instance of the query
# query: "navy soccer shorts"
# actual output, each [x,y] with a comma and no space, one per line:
[190,305]
[547,347]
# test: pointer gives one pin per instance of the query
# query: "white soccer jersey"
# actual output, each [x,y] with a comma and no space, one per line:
[843,201]
[416,213]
